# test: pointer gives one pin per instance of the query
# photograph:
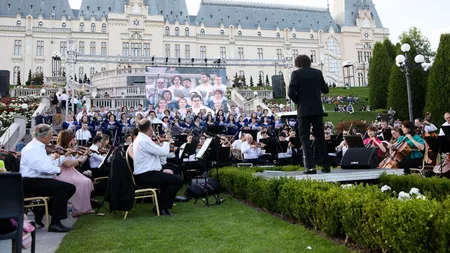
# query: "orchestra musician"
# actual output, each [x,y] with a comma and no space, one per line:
[252,152]
[415,142]
[236,148]
[343,147]
[96,159]
[286,157]
[384,128]
[446,123]
[38,171]
[148,170]
[373,142]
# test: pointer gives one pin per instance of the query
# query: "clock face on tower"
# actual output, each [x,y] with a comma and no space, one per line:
[366,35]
[136,22]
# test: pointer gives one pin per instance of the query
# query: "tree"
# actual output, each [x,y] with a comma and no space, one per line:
[379,72]
[64,73]
[75,79]
[397,98]
[391,49]
[244,80]
[236,83]
[85,78]
[260,80]
[419,41]
[251,81]
[19,82]
[30,77]
[438,100]
[267,80]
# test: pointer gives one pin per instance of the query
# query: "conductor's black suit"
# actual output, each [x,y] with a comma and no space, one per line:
[305,91]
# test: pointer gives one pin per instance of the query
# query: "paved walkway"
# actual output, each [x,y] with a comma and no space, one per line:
[45,242]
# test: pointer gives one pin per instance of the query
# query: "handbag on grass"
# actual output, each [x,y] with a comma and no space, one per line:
[27,229]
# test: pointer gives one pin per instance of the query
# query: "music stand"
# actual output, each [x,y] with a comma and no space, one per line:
[354,141]
[441,144]
[446,130]
[111,150]
[215,130]
[271,147]
[331,145]
[202,154]
[282,148]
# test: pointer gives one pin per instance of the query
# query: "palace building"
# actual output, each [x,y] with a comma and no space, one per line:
[137,31]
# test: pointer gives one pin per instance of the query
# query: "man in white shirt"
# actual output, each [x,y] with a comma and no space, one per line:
[197,105]
[205,88]
[252,153]
[447,123]
[80,114]
[218,85]
[153,119]
[236,147]
[37,169]
[95,160]
[83,135]
[148,170]
[63,99]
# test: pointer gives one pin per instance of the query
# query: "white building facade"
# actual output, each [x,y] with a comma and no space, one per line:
[138,30]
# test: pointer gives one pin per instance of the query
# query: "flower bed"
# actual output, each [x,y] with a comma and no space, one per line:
[375,219]
[10,107]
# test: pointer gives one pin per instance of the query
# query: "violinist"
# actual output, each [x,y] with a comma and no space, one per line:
[419,127]
[81,200]
[384,128]
[415,142]
[252,152]
[284,158]
[343,147]
[96,159]
[373,142]
[427,125]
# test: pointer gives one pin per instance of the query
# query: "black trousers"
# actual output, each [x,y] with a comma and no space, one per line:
[407,164]
[60,192]
[304,124]
[168,184]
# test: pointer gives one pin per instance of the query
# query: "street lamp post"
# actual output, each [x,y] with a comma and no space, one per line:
[405,65]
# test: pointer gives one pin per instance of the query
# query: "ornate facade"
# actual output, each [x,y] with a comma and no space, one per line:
[137,30]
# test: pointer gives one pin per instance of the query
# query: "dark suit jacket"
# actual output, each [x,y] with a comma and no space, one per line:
[305,91]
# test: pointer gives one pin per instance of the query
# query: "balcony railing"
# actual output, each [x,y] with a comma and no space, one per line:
[21,92]
[114,103]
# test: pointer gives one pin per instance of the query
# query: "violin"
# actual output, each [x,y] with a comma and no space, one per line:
[255,144]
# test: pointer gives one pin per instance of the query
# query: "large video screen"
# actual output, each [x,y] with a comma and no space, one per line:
[186,87]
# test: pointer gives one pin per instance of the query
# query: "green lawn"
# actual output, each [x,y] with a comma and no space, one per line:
[231,227]
[336,117]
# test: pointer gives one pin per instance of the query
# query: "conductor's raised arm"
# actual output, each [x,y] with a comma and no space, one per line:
[293,88]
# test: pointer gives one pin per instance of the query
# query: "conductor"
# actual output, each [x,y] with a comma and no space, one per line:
[305,91]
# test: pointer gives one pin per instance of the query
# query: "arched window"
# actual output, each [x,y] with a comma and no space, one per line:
[63,25]
[40,24]
[278,35]
[333,63]
[16,74]
[261,74]
[186,31]
[259,34]
[92,71]
[103,69]
[202,31]
[80,74]
[239,33]
[81,27]
[92,28]
[39,70]
[333,46]
[177,31]
[241,73]
[63,71]
[222,32]
[103,28]
[360,79]
[167,31]
[18,23]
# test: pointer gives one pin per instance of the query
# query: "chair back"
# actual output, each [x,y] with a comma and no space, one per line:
[127,159]
[11,196]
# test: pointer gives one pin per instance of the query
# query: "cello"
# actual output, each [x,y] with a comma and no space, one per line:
[400,151]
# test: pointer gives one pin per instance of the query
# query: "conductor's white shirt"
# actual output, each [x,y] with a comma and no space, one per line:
[147,154]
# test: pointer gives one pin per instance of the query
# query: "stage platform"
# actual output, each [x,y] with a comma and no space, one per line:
[336,175]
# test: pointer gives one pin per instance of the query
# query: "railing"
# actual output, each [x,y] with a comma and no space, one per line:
[237,98]
[12,28]
[14,133]
[22,92]
[43,107]
[55,79]
[260,93]
[114,103]
[128,91]
[250,106]
[118,72]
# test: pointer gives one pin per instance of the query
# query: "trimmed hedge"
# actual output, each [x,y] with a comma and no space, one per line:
[363,213]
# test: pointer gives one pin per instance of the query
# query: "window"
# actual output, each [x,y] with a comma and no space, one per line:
[239,33]
[186,31]
[104,50]
[202,31]
[259,34]
[167,31]
[367,56]
[92,28]
[17,47]
[103,28]
[313,56]
[18,23]
[167,50]
[223,52]
[39,70]
[279,54]
[125,48]
[177,51]
[333,46]
[81,47]
[92,72]
[136,49]
[294,53]
[92,52]
[63,25]
[103,69]
[147,49]
[81,27]
[80,74]
[241,73]
[40,24]
[260,54]
[187,51]
[203,52]
[222,32]
[241,53]
[360,79]
[63,48]
[177,31]
[40,48]
[360,56]
[261,74]
[278,35]
[16,74]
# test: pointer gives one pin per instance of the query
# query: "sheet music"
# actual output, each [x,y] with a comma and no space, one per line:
[205,146]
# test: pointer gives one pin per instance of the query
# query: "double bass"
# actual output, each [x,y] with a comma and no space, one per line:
[400,151]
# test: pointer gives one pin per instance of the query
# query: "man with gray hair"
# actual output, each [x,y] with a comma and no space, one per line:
[37,169]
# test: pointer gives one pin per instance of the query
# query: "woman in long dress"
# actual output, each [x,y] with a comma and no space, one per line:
[81,200]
